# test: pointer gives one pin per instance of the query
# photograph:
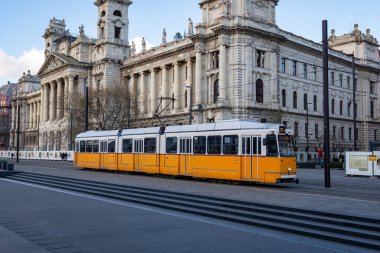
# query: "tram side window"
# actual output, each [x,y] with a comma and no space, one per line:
[103,147]
[230,144]
[95,146]
[246,146]
[199,145]
[88,146]
[111,146]
[150,145]
[171,145]
[272,147]
[82,146]
[214,145]
[127,145]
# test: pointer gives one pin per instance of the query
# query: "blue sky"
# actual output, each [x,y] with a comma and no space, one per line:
[23,22]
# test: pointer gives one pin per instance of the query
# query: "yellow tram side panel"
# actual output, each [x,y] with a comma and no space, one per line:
[275,167]
[147,163]
[126,162]
[169,164]
[109,161]
[87,160]
[218,167]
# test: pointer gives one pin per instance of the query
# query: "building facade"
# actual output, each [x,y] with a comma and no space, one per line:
[236,63]
[6,92]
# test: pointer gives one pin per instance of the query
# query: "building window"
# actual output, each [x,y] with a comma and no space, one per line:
[117,13]
[356,84]
[342,133]
[283,94]
[341,80]
[260,58]
[348,82]
[283,65]
[285,123]
[216,91]
[334,133]
[103,14]
[316,130]
[295,100]
[117,32]
[332,78]
[305,70]
[332,106]
[349,133]
[375,134]
[294,68]
[371,109]
[315,103]
[295,129]
[315,73]
[341,107]
[215,60]
[185,98]
[371,87]
[305,102]
[259,91]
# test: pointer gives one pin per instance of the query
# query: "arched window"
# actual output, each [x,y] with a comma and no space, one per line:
[371,109]
[216,91]
[103,13]
[117,32]
[315,103]
[295,99]
[259,91]
[117,13]
[341,107]
[332,106]
[185,98]
[305,102]
[283,93]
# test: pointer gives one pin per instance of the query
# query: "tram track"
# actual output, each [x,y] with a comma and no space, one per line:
[357,231]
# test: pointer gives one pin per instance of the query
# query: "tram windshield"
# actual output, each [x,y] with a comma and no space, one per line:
[286,145]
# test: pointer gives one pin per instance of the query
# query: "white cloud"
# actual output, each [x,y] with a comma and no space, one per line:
[138,43]
[11,67]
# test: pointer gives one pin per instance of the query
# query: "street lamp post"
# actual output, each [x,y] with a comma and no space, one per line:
[86,110]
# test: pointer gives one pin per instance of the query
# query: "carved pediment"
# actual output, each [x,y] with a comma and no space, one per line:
[53,62]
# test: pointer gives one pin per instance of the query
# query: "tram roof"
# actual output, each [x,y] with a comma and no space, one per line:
[219,126]
[136,131]
[98,134]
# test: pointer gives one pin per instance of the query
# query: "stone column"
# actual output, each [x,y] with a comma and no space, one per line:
[177,88]
[13,116]
[71,84]
[198,78]
[153,94]
[189,82]
[134,93]
[46,102]
[222,72]
[165,86]
[60,98]
[29,116]
[143,96]
[53,101]
[65,99]
[42,100]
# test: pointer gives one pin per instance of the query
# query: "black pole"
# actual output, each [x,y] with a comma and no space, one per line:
[18,134]
[86,111]
[307,131]
[71,129]
[326,104]
[354,100]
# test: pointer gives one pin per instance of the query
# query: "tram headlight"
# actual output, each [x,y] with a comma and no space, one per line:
[289,169]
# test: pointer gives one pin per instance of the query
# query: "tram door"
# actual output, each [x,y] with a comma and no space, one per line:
[185,151]
[251,151]
[103,153]
[138,154]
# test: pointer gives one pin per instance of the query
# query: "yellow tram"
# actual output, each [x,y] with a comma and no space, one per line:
[230,150]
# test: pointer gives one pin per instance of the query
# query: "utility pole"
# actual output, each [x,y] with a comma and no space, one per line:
[326,110]
[354,99]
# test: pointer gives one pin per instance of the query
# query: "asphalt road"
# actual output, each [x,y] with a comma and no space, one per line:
[41,219]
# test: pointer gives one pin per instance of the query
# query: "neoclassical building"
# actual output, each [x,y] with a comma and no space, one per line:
[236,63]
